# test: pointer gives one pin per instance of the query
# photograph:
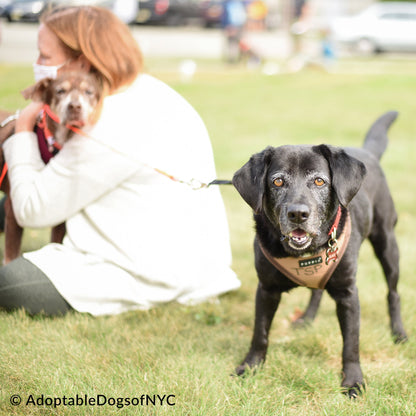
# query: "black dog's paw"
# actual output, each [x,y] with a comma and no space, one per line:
[352,382]
[241,369]
[400,338]
[250,364]
[354,391]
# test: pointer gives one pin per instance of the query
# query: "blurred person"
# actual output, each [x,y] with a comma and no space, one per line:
[300,24]
[135,238]
[298,29]
[234,19]
[257,13]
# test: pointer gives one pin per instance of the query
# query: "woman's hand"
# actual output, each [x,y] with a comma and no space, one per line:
[27,117]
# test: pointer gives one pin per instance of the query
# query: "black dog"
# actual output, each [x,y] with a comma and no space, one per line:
[313,207]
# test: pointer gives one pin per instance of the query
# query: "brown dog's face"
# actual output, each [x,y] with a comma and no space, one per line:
[75,97]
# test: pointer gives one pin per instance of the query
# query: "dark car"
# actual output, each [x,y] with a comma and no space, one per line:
[169,12]
[3,4]
[30,10]
[212,11]
[24,10]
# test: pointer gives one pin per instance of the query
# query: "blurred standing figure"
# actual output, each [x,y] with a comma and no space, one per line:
[300,23]
[299,27]
[234,19]
[257,12]
[126,10]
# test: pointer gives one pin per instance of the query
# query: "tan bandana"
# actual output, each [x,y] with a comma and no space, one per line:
[313,271]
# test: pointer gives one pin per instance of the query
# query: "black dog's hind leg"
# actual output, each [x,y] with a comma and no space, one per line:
[386,249]
[266,306]
[310,313]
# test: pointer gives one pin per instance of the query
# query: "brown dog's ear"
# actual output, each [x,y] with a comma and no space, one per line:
[250,179]
[347,172]
[38,92]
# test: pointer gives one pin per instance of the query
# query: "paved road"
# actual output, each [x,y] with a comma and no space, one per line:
[19,42]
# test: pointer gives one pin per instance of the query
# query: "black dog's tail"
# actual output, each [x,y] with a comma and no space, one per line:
[376,140]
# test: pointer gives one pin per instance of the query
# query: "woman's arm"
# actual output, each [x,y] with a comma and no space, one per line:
[46,195]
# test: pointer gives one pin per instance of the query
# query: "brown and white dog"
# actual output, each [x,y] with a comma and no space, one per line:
[72,101]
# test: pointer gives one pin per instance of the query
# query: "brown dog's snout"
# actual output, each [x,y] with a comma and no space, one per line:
[298,213]
[74,106]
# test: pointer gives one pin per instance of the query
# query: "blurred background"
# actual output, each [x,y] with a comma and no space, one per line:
[295,32]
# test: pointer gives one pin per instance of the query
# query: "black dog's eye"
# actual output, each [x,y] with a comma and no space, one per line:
[319,182]
[278,182]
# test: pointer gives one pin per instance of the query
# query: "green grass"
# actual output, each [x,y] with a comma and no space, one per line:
[190,352]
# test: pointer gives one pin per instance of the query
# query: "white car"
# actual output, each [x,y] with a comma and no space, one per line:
[382,27]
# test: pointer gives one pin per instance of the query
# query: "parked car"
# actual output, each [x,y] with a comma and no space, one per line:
[212,11]
[3,4]
[382,27]
[30,10]
[169,12]
[24,10]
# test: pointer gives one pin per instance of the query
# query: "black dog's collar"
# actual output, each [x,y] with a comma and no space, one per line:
[314,271]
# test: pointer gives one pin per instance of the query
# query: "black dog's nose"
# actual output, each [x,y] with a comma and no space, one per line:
[298,213]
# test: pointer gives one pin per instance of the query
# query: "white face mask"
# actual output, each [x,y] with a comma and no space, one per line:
[46,71]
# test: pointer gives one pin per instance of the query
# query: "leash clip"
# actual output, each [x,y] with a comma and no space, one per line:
[195,184]
[332,250]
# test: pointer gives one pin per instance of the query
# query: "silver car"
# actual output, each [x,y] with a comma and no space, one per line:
[382,27]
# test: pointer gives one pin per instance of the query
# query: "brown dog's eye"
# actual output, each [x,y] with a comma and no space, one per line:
[278,182]
[319,182]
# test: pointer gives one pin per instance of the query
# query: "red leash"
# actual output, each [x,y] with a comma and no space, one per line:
[3,173]
[46,111]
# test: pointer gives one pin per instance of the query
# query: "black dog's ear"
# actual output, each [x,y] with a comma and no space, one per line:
[347,172]
[250,179]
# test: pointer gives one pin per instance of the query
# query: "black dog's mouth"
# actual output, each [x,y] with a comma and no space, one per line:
[299,239]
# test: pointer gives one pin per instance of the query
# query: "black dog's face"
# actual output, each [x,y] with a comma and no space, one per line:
[299,189]
[298,197]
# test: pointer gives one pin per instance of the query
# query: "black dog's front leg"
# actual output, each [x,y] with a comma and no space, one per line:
[266,306]
[348,312]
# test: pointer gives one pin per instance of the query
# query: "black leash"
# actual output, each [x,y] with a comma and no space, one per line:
[220,182]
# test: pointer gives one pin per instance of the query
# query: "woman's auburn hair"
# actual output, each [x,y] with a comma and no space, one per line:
[104,40]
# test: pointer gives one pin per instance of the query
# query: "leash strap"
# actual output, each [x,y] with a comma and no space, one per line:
[193,183]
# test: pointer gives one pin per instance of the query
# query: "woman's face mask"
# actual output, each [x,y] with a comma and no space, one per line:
[46,71]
